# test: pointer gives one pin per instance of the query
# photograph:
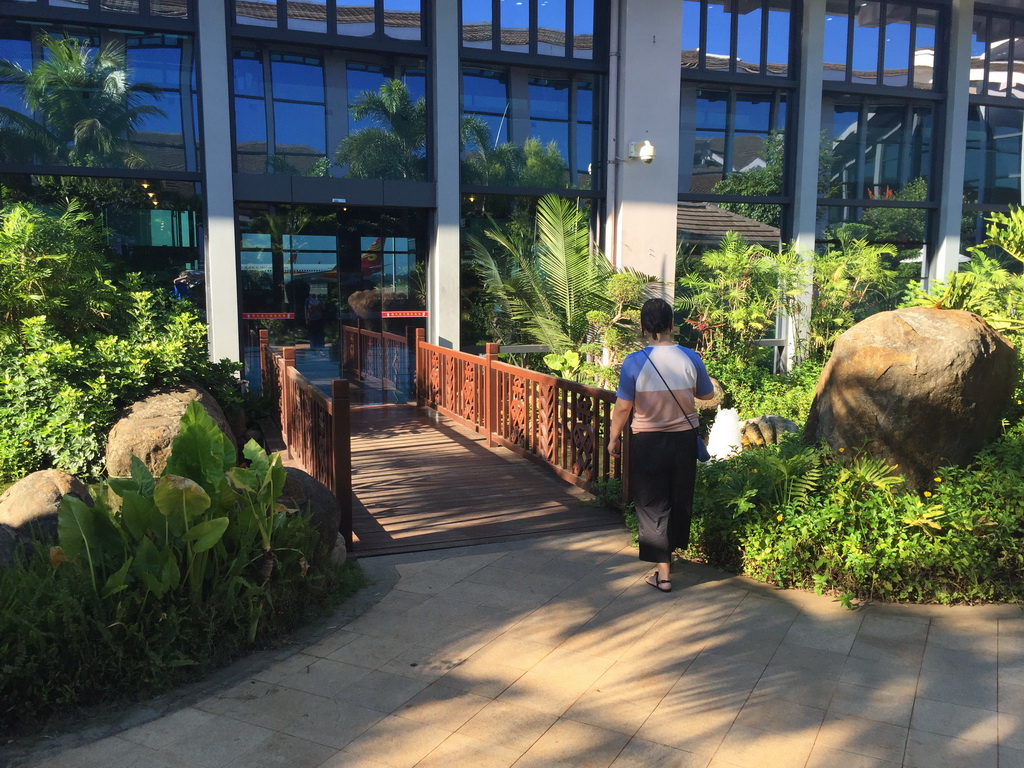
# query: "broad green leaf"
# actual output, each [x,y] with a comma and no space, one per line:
[122,485]
[82,529]
[118,581]
[139,514]
[142,476]
[259,461]
[201,451]
[147,567]
[180,497]
[244,479]
[207,533]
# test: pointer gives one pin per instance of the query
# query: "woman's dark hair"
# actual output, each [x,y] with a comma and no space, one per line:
[656,316]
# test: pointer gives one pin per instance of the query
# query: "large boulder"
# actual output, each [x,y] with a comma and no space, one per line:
[919,387]
[303,491]
[765,430]
[28,510]
[148,428]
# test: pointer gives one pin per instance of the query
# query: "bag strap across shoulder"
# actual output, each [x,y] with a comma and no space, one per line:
[685,414]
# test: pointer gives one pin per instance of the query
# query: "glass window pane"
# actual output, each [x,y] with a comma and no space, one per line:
[402,19]
[356,18]
[549,99]
[515,25]
[583,29]
[1017,82]
[248,75]
[979,39]
[307,15]
[691,33]
[896,36]
[299,129]
[551,27]
[154,63]
[584,133]
[260,13]
[121,6]
[296,78]
[363,80]
[712,109]
[748,41]
[251,125]
[837,40]
[17,50]
[779,21]
[719,31]
[925,51]
[752,112]
[866,33]
[476,23]
[1001,158]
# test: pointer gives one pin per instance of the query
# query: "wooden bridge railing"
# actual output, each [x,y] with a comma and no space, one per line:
[315,428]
[557,423]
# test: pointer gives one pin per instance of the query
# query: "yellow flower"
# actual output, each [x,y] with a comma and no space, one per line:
[927,494]
[938,479]
[779,518]
[841,450]
[754,471]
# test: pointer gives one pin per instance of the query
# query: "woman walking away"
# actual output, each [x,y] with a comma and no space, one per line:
[658,385]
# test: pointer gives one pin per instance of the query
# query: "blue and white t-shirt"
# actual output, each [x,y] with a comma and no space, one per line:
[654,408]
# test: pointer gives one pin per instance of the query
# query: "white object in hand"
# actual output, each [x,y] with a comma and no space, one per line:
[724,439]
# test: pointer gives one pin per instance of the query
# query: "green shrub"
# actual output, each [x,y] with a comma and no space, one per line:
[161,580]
[795,516]
[753,390]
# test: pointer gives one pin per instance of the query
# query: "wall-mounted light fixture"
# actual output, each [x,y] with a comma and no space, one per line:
[643,150]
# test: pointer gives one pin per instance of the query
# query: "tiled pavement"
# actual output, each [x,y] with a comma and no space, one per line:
[553,652]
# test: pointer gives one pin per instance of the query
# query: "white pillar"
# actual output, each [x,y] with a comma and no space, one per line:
[644,106]
[806,149]
[950,189]
[443,284]
[222,310]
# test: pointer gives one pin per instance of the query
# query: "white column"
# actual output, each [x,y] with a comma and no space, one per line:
[445,261]
[950,189]
[806,150]
[644,106]
[222,309]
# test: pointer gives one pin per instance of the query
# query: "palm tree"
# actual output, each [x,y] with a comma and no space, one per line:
[82,108]
[545,286]
[393,147]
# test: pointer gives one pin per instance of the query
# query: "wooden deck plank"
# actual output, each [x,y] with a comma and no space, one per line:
[425,483]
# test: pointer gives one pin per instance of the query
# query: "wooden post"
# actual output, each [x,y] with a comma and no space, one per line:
[421,368]
[490,392]
[264,344]
[341,441]
[287,399]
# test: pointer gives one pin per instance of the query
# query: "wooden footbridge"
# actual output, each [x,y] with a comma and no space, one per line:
[490,452]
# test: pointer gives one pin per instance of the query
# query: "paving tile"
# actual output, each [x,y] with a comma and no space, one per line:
[458,751]
[615,628]
[298,662]
[754,748]
[343,759]
[768,713]
[797,686]
[1011,698]
[484,677]
[328,721]
[513,652]
[872,738]
[947,719]
[1011,730]
[552,623]
[972,689]
[646,754]
[448,611]
[107,753]
[324,677]
[1011,758]
[816,661]
[570,744]
[508,725]
[498,596]
[973,635]
[825,633]
[441,574]
[533,583]
[715,675]
[555,682]
[622,698]
[397,742]
[931,750]
[442,706]
[282,751]
[330,643]
[826,757]
[167,729]
[381,691]
[692,721]
[213,744]
[888,675]
[886,706]
[368,650]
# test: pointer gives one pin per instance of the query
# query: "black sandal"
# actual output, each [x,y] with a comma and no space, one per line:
[659,584]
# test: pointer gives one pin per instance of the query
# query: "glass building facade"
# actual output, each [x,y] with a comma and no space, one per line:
[318,165]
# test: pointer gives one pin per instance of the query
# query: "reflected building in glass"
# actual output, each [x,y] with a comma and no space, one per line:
[318,166]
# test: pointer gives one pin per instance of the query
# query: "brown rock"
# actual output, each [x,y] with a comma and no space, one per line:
[302,492]
[765,430]
[149,427]
[28,510]
[716,398]
[918,387]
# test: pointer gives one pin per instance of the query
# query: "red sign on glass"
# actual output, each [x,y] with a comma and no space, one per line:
[404,313]
[268,315]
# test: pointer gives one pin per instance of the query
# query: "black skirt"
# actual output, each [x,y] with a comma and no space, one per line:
[663,468]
